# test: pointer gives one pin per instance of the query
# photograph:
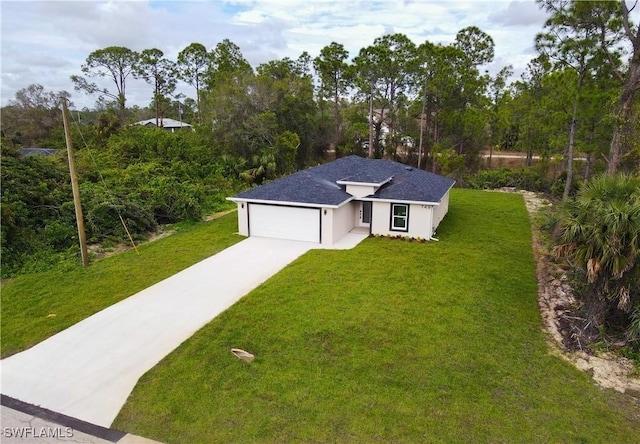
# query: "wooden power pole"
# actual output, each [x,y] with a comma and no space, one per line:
[74,186]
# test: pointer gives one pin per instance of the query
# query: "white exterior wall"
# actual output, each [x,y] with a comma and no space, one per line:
[243,219]
[343,220]
[420,220]
[326,226]
[440,211]
[380,213]
[361,190]
[337,222]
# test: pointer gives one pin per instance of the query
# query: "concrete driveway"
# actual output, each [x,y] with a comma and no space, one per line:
[88,370]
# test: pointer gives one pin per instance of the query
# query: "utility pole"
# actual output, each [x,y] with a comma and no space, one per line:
[74,186]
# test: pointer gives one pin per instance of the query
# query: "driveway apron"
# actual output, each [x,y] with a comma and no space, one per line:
[88,370]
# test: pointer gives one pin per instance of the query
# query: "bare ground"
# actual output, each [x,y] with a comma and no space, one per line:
[98,251]
[557,303]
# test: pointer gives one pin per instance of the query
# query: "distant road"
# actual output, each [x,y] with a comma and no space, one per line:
[519,156]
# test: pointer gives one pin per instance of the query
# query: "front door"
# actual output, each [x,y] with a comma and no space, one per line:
[364,214]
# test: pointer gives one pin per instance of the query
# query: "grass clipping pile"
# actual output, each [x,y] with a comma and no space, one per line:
[555,300]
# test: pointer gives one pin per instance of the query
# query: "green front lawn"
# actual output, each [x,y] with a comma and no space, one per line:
[392,341]
[37,306]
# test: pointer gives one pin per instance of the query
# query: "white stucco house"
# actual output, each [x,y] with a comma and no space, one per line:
[167,124]
[323,203]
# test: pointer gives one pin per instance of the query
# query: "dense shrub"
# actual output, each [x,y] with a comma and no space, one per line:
[143,175]
[524,179]
[36,216]
[599,235]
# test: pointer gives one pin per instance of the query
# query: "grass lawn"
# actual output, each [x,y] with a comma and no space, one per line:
[37,306]
[392,341]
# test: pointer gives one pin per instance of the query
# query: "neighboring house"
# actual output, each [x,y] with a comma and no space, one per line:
[167,124]
[37,151]
[323,203]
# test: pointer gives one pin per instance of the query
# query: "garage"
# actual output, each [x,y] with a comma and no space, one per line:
[284,222]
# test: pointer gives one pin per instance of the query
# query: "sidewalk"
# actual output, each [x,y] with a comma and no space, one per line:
[24,424]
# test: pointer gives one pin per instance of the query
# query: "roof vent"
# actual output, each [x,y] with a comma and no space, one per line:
[408,168]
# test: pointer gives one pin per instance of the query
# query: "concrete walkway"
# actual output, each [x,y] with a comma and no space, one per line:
[88,370]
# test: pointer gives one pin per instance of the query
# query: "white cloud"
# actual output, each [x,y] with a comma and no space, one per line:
[519,13]
[47,41]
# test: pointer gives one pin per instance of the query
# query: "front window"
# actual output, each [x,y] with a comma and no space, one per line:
[399,217]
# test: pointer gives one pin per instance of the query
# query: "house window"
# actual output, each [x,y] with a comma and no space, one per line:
[399,217]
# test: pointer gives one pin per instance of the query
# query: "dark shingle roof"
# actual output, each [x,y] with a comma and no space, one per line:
[377,177]
[318,185]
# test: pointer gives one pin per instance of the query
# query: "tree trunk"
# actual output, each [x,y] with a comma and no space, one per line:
[336,111]
[572,137]
[371,122]
[157,102]
[490,156]
[123,109]
[378,150]
[198,101]
[572,131]
[615,152]
[421,134]
[630,84]
[392,143]
[587,168]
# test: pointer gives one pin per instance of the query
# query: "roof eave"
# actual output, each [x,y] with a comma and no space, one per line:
[287,203]
[415,202]
[370,184]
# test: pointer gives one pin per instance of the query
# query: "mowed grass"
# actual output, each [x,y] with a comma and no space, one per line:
[392,341]
[37,306]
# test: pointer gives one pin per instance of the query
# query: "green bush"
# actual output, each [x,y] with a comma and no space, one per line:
[144,175]
[523,179]
[599,235]
[36,216]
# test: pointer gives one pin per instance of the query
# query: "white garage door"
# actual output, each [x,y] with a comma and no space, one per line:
[280,222]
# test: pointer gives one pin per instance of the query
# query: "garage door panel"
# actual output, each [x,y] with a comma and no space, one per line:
[283,222]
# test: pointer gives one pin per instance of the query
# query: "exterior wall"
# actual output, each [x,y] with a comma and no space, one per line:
[360,190]
[423,220]
[420,220]
[326,226]
[380,216]
[343,220]
[337,222]
[243,219]
[440,211]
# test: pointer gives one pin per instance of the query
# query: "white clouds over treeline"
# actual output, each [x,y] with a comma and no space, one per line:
[46,42]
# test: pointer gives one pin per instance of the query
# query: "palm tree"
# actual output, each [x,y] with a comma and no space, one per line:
[264,167]
[600,235]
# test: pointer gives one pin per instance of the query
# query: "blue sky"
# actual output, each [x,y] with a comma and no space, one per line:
[47,41]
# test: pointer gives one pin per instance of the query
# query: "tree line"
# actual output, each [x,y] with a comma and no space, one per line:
[425,103]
